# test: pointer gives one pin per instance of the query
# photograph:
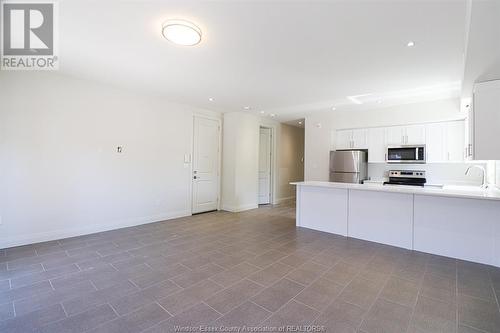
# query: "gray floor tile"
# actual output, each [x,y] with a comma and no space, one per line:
[42,300]
[180,301]
[361,292]
[292,314]
[306,273]
[432,315]
[387,317]
[141,266]
[99,297]
[341,312]
[401,291]
[6,311]
[319,294]
[227,299]
[42,276]
[33,320]
[137,321]
[247,314]
[81,322]
[200,314]
[478,313]
[234,274]
[275,296]
[342,273]
[270,274]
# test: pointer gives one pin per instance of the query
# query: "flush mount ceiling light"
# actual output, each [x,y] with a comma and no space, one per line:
[262,112]
[211,99]
[334,108]
[411,44]
[181,32]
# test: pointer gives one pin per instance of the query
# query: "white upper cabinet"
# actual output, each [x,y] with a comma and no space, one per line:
[343,139]
[360,138]
[414,134]
[405,135]
[455,141]
[376,145]
[445,141]
[352,139]
[486,121]
[394,135]
[435,142]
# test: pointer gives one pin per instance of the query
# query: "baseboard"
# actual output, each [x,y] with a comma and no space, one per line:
[236,209]
[279,201]
[94,228]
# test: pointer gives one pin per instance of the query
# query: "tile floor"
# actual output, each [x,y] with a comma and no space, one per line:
[252,269]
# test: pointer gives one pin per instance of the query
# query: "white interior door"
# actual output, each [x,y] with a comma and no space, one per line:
[205,165]
[265,166]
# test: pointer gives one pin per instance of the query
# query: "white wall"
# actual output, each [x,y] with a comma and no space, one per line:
[482,57]
[290,156]
[60,174]
[240,164]
[320,127]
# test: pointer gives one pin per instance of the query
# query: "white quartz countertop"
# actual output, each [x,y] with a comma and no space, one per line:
[470,192]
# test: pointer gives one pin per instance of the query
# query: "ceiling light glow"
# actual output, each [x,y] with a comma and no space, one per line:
[211,99]
[262,112]
[411,44]
[246,107]
[273,115]
[181,32]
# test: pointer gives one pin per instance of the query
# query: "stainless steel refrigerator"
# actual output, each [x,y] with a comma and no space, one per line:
[348,166]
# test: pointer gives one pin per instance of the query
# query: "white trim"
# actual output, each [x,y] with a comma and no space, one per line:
[283,200]
[219,166]
[236,209]
[274,162]
[89,229]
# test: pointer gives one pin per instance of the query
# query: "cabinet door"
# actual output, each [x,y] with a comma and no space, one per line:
[360,139]
[344,139]
[455,140]
[435,142]
[415,134]
[486,120]
[394,135]
[376,145]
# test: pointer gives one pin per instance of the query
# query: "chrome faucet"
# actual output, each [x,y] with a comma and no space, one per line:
[483,185]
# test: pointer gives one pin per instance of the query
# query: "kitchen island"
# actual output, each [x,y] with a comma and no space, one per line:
[453,221]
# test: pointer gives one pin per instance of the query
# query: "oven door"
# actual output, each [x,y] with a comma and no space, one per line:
[406,154]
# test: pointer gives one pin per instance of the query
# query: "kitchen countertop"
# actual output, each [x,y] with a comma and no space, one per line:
[468,192]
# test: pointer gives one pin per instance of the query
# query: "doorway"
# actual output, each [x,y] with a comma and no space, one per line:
[206,142]
[265,165]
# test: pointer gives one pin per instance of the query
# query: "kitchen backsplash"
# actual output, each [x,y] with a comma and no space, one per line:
[436,173]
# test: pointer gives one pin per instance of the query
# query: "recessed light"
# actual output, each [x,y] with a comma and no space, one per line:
[246,107]
[211,99]
[300,123]
[181,32]
[334,108]
[272,115]
[262,112]
[411,44]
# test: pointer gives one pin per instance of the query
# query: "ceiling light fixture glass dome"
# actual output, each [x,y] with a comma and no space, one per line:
[181,32]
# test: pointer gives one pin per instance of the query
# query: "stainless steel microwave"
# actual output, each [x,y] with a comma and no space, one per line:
[406,154]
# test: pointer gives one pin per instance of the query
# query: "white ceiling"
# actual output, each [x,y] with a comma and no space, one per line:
[283,57]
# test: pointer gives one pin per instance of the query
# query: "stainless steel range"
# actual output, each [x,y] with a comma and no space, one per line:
[406,177]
